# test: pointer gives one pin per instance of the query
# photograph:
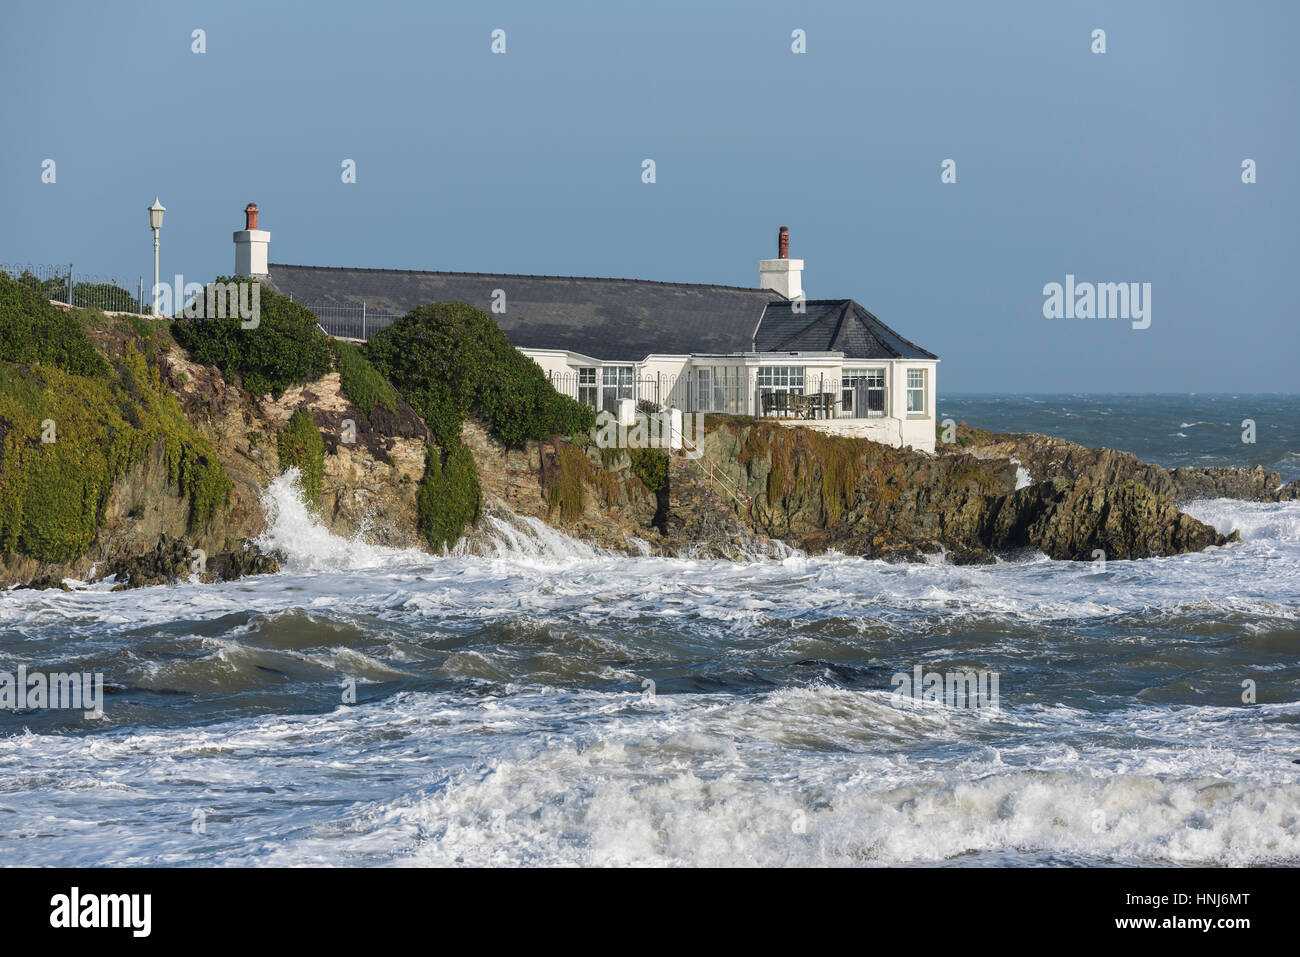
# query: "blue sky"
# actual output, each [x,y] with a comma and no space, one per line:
[1123,166]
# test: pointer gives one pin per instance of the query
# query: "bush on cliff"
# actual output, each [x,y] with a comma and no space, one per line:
[449,496]
[286,346]
[448,360]
[361,382]
[32,330]
[302,447]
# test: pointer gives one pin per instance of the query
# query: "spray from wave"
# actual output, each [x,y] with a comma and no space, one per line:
[1273,522]
[295,531]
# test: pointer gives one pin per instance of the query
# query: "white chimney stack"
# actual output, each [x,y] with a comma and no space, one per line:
[251,246]
[782,275]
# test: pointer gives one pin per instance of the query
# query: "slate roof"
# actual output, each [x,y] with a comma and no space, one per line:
[611,319]
[832,325]
[621,320]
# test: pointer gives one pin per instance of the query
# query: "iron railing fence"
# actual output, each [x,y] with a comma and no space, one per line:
[65,284]
[704,390]
[351,320]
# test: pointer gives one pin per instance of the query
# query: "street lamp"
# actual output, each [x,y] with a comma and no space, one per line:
[155,223]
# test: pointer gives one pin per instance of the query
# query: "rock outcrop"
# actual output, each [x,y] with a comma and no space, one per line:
[822,492]
[1048,457]
[173,560]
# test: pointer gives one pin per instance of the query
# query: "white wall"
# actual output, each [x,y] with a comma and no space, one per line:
[917,430]
[896,427]
[670,372]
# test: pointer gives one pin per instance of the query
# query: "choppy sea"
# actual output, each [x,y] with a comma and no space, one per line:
[552,704]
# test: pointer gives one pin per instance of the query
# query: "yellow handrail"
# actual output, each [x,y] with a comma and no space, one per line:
[714,474]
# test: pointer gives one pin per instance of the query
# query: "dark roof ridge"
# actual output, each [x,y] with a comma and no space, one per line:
[900,338]
[777,297]
[841,332]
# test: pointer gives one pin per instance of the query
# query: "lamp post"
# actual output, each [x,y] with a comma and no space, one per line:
[155,223]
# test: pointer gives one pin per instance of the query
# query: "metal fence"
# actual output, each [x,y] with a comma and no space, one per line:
[819,397]
[65,284]
[351,320]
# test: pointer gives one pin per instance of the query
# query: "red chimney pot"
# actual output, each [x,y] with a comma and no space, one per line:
[783,244]
[250,216]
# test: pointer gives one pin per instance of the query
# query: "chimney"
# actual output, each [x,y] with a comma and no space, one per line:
[782,275]
[251,246]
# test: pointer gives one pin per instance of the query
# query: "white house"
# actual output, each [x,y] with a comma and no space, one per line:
[827,363]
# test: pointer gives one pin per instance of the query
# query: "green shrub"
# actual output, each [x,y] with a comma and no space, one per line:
[651,467]
[450,359]
[302,447]
[285,348]
[32,330]
[53,493]
[449,496]
[361,383]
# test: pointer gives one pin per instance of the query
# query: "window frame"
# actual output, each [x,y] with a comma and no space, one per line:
[617,382]
[876,377]
[923,389]
[588,391]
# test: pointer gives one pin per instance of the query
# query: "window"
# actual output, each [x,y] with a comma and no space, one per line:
[587,387]
[916,391]
[616,383]
[774,384]
[704,390]
[863,393]
[719,389]
[780,378]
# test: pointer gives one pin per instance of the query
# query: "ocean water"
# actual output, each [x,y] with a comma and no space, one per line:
[1171,430]
[548,704]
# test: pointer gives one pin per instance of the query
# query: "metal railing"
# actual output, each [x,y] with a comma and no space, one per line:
[820,396]
[351,320]
[663,390]
[65,284]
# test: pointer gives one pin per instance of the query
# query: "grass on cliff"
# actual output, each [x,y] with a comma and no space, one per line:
[361,382]
[302,447]
[801,460]
[72,423]
[449,360]
[567,489]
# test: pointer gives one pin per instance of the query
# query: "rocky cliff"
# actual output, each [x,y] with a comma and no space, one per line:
[1048,457]
[822,492]
[759,488]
